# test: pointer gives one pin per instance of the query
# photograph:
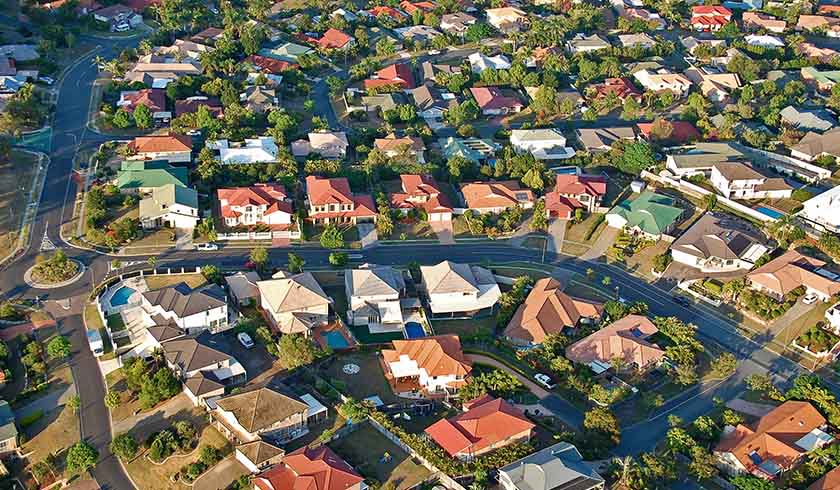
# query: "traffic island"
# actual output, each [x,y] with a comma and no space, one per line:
[55,272]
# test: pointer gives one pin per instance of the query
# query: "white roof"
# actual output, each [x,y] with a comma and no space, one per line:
[480,62]
[315,407]
[814,439]
[257,150]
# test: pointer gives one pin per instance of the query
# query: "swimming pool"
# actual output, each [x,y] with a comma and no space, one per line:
[121,295]
[414,330]
[566,170]
[769,212]
[335,340]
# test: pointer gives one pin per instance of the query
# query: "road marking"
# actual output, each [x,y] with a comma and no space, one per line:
[46,243]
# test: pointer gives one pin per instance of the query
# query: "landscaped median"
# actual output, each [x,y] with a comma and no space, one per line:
[54,271]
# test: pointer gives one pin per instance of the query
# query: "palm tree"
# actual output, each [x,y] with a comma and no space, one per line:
[626,466]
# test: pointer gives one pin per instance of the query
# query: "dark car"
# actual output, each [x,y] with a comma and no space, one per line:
[682,301]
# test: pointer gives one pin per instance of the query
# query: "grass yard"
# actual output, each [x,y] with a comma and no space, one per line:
[576,233]
[413,231]
[163,280]
[465,328]
[368,382]
[116,323]
[54,432]
[93,320]
[163,237]
[116,382]
[16,177]
[365,448]
[532,270]
[579,287]
[150,476]
[641,263]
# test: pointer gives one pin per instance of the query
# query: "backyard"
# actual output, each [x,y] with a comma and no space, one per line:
[374,382]
[54,432]
[478,327]
[163,280]
[377,458]
[16,175]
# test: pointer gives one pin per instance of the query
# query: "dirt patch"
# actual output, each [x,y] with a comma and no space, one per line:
[16,176]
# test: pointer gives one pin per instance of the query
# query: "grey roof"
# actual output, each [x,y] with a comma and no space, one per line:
[450,277]
[808,119]
[426,98]
[374,281]
[164,197]
[202,383]
[183,301]
[706,155]
[815,144]
[597,138]
[191,355]
[641,39]
[261,408]
[243,285]
[717,235]
[8,429]
[259,451]
[430,70]
[557,467]
[294,293]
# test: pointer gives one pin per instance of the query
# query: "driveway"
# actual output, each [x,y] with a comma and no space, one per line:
[602,243]
[561,409]
[255,360]
[367,234]
[556,235]
[443,230]
[788,320]
[221,475]
[750,408]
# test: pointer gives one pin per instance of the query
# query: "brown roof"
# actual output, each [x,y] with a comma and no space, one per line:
[259,451]
[165,143]
[717,235]
[482,195]
[737,171]
[392,143]
[775,436]
[200,384]
[548,310]
[786,273]
[830,481]
[261,408]
[440,355]
[625,338]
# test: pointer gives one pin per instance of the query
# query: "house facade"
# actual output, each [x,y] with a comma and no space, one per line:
[331,201]
[266,204]
[430,367]
[192,310]
[294,304]
[736,180]
[459,290]
[261,413]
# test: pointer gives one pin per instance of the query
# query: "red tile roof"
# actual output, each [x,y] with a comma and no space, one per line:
[385,10]
[411,7]
[153,98]
[328,191]
[397,74]
[504,194]
[309,469]
[592,185]
[714,10]
[191,105]
[334,39]
[488,423]
[440,355]
[269,65]
[683,131]
[621,87]
[421,191]
[493,98]
[271,195]
[164,143]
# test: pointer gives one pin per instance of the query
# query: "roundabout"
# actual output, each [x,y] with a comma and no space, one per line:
[33,282]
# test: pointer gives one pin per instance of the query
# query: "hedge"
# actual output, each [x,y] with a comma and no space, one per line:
[594,226]
[31,418]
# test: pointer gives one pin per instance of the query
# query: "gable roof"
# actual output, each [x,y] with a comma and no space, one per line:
[483,195]
[161,144]
[557,467]
[183,301]
[259,451]
[624,338]
[488,422]
[148,174]
[815,144]
[261,408]
[791,270]
[548,310]
[328,191]
[451,277]
[378,280]
[294,293]
[191,355]
[652,213]
[164,197]
[309,468]
[717,235]
[440,355]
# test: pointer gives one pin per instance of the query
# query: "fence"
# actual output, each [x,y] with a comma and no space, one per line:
[259,235]
[699,192]
[788,165]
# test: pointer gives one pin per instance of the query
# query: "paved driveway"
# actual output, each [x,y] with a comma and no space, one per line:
[443,230]
[788,320]
[602,243]
[221,475]
[556,235]
[367,234]
[177,404]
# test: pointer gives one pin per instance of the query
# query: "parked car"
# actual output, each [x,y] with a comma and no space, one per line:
[206,246]
[122,27]
[682,301]
[544,381]
[810,298]
[47,80]
[245,340]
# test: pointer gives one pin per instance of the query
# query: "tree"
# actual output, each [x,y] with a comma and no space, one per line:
[710,201]
[74,403]
[208,167]
[339,259]
[58,348]
[296,263]
[749,482]
[724,365]
[601,427]
[702,463]
[332,237]
[121,118]
[80,458]
[539,221]
[635,158]
[545,101]
[295,350]
[212,273]
[124,446]
[112,399]
[259,256]
[142,116]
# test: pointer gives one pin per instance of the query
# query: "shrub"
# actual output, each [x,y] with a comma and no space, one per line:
[31,418]
[599,218]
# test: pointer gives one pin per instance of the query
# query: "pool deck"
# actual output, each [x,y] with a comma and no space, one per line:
[318,334]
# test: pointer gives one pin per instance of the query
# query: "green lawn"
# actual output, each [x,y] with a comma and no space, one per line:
[161,281]
[365,449]
[465,328]
[93,320]
[368,382]
[115,323]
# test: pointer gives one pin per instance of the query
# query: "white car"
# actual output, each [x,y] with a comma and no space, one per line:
[47,80]
[206,246]
[245,340]
[544,381]
[123,27]
[810,298]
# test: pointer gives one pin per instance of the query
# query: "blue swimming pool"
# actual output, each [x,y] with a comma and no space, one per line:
[335,340]
[414,330]
[566,170]
[121,296]
[769,212]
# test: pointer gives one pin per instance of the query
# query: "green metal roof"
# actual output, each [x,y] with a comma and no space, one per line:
[135,174]
[650,212]
[8,429]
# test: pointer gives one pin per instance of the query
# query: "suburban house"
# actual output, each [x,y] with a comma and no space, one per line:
[830,24]
[456,23]
[701,158]
[718,243]
[174,148]
[157,71]
[622,88]
[289,52]
[783,274]
[495,197]
[624,339]
[432,104]
[736,180]
[258,455]
[264,64]
[374,293]
[553,468]
[691,43]
[459,290]
[421,6]
[294,304]
[822,80]
[190,358]
[142,177]
[330,145]
[808,119]
[663,80]
[548,310]
[259,99]
[384,10]
[809,50]
[170,205]
[392,146]
[330,201]
[429,367]
[396,75]
[310,468]
[680,132]
[153,98]
[652,20]
[117,15]
[709,17]
[651,215]
[494,102]
[575,192]
[829,481]
[431,71]
[823,210]
[582,43]
[191,105]
[765,41]
[254,150]
[596,140]
[267,204]
[260,413]
[8,429]
[757,21]
[777,442]
[476,150]
[191,310]
[717,87]
[507,19]
[422,192]
[480,62]
[417,33]
[543,144]
[642,40]
[486,424]
[334,39]
[242,287]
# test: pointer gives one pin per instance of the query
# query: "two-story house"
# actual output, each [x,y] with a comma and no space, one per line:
[543,144]
[192,310]
[573,192]
[330,201]
[495,197]
[736,180]
[459,290]
[174,148]
[310,468]
[8,429]
[267,204]
[555,467]
[430,367]
[260,413]
[719,243]
[171,206]
[422,192]
[374,293]
[294,304]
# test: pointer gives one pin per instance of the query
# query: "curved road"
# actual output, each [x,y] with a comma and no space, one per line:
[70,135]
